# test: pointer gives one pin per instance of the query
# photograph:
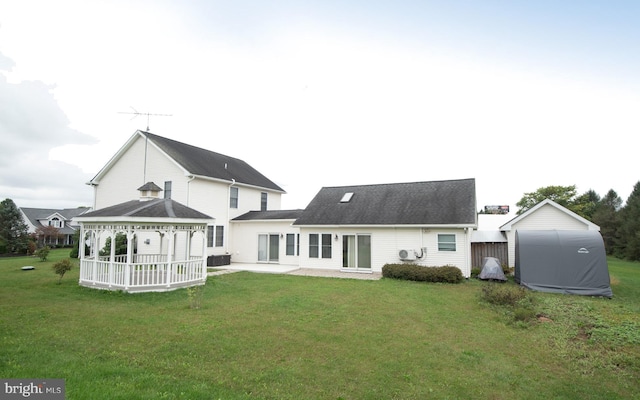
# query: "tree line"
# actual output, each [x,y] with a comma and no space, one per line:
[619,225]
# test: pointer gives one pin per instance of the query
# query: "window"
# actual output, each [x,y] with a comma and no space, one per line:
[347,197]
[446,242]
[167,189]
[326,245]
[263,201]
[356,251]
[314,245]
[219,236]
[55,221]
[268,247]
[319,248]
[210,231]
[291,244]
[233,201]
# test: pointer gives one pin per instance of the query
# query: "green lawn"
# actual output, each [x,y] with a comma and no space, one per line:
[261,336]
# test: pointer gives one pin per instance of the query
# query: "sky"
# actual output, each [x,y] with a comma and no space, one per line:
[516,94]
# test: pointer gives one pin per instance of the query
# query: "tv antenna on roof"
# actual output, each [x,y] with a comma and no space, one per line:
[135,113]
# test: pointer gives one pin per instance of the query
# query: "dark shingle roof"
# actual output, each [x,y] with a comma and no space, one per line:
[207,163]
[35,215]
[269,215]
[451,202]
[158,208]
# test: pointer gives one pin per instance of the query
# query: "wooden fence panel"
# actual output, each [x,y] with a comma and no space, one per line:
[482,250]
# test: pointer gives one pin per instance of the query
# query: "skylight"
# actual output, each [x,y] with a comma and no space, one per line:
[347,197]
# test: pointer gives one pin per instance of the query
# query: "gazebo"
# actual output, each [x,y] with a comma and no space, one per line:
[146,245]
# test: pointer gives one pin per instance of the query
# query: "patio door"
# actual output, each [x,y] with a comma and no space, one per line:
[269,247]
[356,251]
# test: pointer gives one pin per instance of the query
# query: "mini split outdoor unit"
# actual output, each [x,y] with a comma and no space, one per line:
[407,255]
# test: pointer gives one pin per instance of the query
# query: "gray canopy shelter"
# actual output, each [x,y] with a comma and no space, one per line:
[572,262]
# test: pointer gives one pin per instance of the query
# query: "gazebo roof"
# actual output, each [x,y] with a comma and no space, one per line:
[153,209]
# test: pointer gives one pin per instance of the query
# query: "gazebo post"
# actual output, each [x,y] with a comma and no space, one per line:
[127,266]
[112,256]
[204,255]
[96,253]
[170,256]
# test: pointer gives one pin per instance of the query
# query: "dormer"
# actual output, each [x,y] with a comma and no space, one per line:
[149,191]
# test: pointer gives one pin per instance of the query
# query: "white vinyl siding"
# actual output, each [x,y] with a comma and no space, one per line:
[546,217]
[385,244]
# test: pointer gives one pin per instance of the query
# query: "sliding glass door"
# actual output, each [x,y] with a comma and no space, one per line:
[268,247]
[356,251]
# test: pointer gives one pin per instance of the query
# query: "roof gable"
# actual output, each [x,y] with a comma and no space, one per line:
[198,161]
[451,202]
[550,203]
[39,214]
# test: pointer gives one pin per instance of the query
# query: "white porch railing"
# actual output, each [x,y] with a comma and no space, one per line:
[148,272]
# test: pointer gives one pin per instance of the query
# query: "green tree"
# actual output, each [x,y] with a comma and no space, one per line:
[607,216]
[629,244]
[121,245]
[585,205]
[62,267]
[563,195]
[13,231]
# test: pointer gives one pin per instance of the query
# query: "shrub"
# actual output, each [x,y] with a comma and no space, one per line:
[503,294]
[414,272]
[61,268]
[475,271]
[43,253]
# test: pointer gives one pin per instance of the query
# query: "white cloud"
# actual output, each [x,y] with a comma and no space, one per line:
[314,100]
[31,125]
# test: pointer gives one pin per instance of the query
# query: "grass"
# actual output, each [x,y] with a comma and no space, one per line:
[261,336]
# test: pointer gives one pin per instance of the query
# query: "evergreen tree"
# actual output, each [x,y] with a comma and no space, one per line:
[630,226]
[585,205]
[14,236]
[606,215]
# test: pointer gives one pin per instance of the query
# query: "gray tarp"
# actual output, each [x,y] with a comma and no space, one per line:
[571,262]
[491,269]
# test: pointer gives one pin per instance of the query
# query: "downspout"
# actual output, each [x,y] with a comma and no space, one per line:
[226,243]
[191,178]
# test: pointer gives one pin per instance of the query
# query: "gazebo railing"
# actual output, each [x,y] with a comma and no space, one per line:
[146,272]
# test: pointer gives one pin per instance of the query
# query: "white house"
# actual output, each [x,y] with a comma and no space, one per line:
[361,228]
[61,219]
[546,215]
[217,185]
[349,228]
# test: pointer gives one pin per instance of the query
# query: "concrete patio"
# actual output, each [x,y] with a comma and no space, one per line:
[292,270]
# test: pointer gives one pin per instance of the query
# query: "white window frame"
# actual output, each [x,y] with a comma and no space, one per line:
[447,245]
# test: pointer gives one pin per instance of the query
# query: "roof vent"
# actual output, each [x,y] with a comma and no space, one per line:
[347,197]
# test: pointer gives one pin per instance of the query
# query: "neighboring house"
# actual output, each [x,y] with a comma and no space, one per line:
[361,228]
[217,185]
[61,219]
[546,215]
